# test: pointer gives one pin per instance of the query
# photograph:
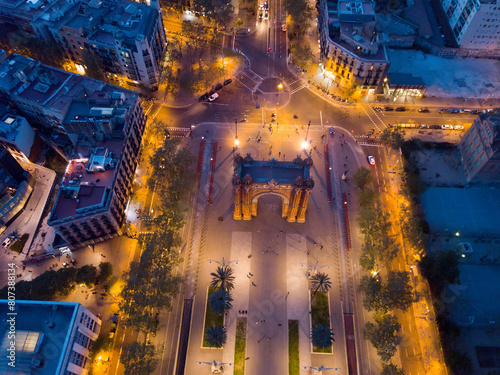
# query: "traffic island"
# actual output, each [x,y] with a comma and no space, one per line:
[320,314]
[293,347]
[211,318]
[240,346]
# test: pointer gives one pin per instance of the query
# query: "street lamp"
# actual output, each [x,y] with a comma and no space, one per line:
[280,86]
[305,144]
[236,141]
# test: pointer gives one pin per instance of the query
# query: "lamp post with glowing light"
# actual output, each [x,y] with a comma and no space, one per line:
[305,144]
[236,141]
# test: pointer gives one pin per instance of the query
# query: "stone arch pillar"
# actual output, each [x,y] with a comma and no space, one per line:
[245,207]
[237,203]
[294,205]
[301,217]
[285,207]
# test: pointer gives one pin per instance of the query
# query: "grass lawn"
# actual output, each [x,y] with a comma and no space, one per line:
[239,350]
[18,245]
[293,347]
[211,318]
[320,314]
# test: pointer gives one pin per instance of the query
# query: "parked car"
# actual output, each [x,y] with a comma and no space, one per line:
[203,97]
[442,110]
[227,81]
[218,87]
[423,126]
[458,127]
[388,109]
[454,110]
[465,110]
[435,126]
[474,112]
[401,109]
[7,242]
[423,110]
[371,160]
[446,127]
[212,97]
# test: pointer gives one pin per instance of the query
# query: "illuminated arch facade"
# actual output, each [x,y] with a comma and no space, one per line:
[288,180]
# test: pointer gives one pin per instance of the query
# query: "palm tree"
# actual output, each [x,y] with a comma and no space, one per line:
[220,301]
[321,282]
[223,278]
[216,336]
[322,336]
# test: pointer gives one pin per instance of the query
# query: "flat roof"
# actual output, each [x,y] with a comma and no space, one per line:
[86,185]
[405,79]
[35,336]
[284,172]
[465,210]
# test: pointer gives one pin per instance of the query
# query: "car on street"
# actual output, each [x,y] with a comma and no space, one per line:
[332,131]
[474,112]
[465,110]
[218,87]
[401,109]
[227,81]
[423,126]
[435,126]
[454,110]
[446,127]
[458,127]
[423,110]
[443,110]
[371,160]
[377,109]
[283,27]
[203,97]
[7,242]
[212,97]
[388,109]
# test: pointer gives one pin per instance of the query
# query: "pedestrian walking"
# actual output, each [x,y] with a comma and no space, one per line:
[279,154]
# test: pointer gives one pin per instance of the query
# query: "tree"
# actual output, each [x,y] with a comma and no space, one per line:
[219,11]
[398,290]
[371,287]
[92,66]
[238,22]
[320,282]
[105,271]
[216,336]
[362,177]
[322,336]
[366,197]
[140,358]
[391,369]
[383,334]
[392,137]
[440,268]
[220,301]
[302,54]
[86,275]
[223,278]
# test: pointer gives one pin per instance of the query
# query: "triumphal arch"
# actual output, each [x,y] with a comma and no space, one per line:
[288,180]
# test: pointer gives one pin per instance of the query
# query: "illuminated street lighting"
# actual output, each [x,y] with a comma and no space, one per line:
[236,141]
[280,86]
[305,144]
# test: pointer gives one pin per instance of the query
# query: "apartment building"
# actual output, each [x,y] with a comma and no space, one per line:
[16,186]
[51,338]
[102,127]
[480,150]
[127,37]
[475,23]
[351,53]
[16,134]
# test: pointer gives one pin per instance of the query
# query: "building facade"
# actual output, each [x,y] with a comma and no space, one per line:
[351,53]
[16,186]
[16,135]
[51,338]
[480,150]
[101,126]
[126,37]
[475,23]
